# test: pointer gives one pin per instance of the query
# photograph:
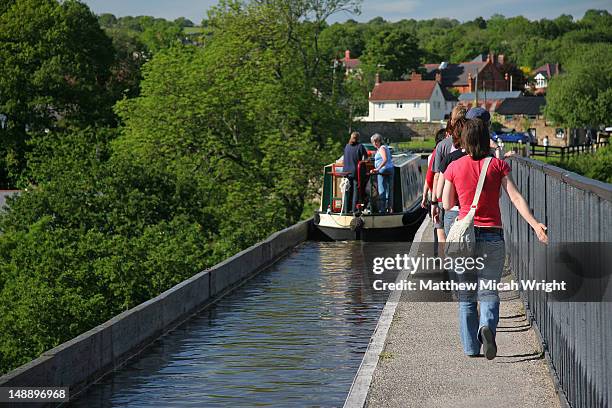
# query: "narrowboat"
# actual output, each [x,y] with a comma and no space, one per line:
[366,223]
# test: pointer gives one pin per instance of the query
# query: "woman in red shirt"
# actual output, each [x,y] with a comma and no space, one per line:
[461,178]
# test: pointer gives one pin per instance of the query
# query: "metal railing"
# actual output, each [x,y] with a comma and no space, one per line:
[576,336]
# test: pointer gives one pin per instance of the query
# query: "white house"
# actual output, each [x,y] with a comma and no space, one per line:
[542,75]
[541,81]
[416,100]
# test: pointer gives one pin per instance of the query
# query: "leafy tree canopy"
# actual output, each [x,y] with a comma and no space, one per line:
[395,50]
[48,78]
[582,95]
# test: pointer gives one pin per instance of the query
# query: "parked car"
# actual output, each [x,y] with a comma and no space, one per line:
[514,137]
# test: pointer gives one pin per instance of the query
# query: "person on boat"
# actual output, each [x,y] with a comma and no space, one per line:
[461,178]
[443,148]
[353,153]
[383,167]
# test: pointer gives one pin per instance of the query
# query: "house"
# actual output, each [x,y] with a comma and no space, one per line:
[350,64]
[489,100]
[483,72]
[415,100]
[527,106]
[541,77]
[524,114]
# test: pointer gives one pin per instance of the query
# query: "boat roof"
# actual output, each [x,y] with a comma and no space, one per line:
[402,158]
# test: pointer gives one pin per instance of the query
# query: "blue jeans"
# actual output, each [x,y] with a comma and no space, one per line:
[449,219]
[385,190]
[491,243]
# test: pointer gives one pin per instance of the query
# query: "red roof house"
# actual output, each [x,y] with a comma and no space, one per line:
[413,100]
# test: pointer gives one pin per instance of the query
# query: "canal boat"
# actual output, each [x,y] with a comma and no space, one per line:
[366,223]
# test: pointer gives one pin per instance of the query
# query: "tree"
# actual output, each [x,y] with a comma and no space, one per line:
[107,20]
[183,22]
[395,49]
[582,95]
[158,35]
[130,55]
[48,78]
[338,38]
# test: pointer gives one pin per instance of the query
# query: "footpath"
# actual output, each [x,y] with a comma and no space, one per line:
[423,365]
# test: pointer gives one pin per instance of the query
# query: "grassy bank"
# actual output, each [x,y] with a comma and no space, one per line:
[425,144]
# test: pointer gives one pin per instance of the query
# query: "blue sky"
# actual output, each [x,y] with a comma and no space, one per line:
[392,10]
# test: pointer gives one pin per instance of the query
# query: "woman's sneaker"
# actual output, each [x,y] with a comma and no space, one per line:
[488,342]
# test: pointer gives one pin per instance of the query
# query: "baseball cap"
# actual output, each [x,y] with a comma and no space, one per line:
[479,113]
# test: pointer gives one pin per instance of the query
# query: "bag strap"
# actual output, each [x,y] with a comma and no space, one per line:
[481,179]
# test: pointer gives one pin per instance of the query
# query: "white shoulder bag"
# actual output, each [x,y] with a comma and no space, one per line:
[461,237]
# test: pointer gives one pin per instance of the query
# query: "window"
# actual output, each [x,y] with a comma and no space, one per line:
[417,104]
[381,106]
[437,104]
[400,105]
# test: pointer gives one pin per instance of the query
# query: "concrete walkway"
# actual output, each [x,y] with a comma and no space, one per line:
[423,364]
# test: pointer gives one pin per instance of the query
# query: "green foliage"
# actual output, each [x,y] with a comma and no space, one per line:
[48,78]
[183,22]
[338,38]
[425,144]
[524,42]
[131,53]
[393,49]
[59,282]
[161,35]
[597,166]
[396,50]
[222,147]
[218,147]
[100,236]
[582,95]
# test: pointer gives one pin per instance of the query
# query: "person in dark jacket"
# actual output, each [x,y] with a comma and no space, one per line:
[353,153]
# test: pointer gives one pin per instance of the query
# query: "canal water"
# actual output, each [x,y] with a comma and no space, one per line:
[294,335]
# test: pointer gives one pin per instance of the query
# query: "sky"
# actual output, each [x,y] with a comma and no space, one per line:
[391,10]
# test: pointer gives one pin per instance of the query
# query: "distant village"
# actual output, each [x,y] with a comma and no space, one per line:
[404,107]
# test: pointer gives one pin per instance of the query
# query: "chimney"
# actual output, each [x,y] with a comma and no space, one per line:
[501,59]
[377,79]
[347,55]
[470,83]
[439,77]
[415,77]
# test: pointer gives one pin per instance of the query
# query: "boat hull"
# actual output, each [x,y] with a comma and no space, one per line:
[371,228]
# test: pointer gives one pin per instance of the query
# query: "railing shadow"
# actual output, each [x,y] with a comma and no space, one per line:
[527,357]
